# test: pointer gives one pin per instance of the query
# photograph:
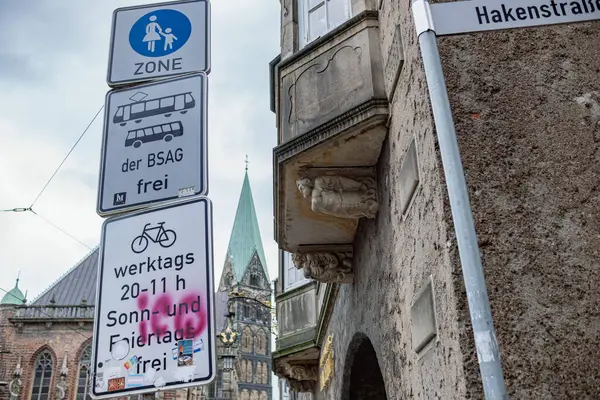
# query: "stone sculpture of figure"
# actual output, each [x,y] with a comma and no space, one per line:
[61,389]
[303,372]
[325,267]
[61,386]
[15,389]
[340,196]
[16,384]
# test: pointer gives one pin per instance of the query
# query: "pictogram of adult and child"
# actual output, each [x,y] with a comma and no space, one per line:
[154,32]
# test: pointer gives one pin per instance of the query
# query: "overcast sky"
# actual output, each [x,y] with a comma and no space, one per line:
[53,61]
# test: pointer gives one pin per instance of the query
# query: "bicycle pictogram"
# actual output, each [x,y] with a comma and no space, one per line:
[156,234]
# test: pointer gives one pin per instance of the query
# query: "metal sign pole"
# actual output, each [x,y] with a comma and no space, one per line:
[479,307]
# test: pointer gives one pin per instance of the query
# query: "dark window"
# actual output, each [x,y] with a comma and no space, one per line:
[83,377]
[42,377]
[254,280]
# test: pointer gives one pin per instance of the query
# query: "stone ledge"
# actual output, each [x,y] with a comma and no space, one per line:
[371,113]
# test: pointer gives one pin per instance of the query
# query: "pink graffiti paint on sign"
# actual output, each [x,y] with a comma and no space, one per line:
[183,317]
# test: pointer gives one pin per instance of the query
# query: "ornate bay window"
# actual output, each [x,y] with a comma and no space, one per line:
[317,17]
[292,276]
[332,108]
[331,101]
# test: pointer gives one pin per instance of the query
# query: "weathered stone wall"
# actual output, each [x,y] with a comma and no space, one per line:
[395,255]
[527,108]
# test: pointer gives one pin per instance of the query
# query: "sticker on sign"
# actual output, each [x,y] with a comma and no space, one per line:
[154,145]
[159,40]
[154,322]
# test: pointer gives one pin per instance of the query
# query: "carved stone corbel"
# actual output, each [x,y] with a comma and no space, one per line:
[302,386]
[301,377]
[326,266]
[301,372]
[342,196]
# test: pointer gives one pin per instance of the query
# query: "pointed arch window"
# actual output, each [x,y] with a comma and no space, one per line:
[262,342]
[244,369]
[249,372]
[245,395]
[254,280]
[42,377]
[83,382]
[247,340]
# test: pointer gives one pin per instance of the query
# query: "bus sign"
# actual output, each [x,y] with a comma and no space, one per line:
[154,144]
[159,40]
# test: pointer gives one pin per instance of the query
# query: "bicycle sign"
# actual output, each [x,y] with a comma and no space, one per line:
[154,317]
[158,234]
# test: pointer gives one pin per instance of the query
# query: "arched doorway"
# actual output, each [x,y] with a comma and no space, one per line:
[362,376]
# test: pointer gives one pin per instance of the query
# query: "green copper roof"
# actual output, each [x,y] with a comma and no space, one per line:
[15,296]
[245,236]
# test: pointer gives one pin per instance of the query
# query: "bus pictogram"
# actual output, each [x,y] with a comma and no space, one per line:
[166,132]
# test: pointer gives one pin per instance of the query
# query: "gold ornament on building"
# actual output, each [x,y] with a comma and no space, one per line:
[326,363]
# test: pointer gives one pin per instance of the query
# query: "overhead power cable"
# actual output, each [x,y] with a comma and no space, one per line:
[67,156]
[30,208]
[61,230]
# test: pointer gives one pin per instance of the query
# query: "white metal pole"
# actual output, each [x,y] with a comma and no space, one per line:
[488,353]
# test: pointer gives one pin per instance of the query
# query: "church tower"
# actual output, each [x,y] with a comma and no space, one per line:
[245,277]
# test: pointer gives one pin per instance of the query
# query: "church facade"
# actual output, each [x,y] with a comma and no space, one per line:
[45,344]
[243,304]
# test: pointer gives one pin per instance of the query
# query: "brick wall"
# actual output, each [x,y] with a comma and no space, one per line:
[30,340]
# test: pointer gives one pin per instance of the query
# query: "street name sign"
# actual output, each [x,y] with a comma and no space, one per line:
[483,15]
[154,144]
[154,325]
[159,40]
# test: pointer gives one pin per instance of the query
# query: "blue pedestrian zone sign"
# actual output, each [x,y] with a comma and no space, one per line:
[153,35]
[158,41]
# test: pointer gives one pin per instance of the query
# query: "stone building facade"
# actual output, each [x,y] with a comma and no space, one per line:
[46,344]
[378,309]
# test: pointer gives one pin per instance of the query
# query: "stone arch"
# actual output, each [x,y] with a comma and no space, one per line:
[31,370]
[81,349]
[254,395]
[249,372]
[255,347]
[244,376]
[245,395]
[265,373]
[80,383]
[263,395]
[247,339]
[261,348]
[39,351]
[362,378]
